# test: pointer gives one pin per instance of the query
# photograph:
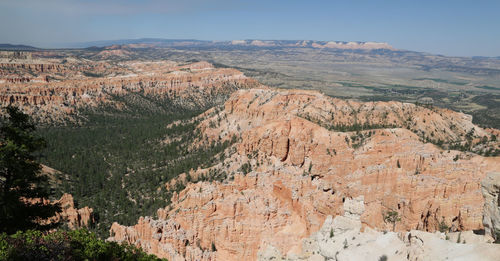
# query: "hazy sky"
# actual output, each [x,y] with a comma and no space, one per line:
[450,27]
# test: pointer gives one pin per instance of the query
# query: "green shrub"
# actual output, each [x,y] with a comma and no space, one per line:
[246,168]
[443,227]
[497,237]
[65,245]
[392,217]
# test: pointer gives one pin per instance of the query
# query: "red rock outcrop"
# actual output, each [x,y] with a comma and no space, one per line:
[50,96]
[300,170]
[72,217]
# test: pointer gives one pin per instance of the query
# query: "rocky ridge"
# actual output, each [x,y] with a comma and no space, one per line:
[341,238]
[295,163]
[51,90]
[315,44]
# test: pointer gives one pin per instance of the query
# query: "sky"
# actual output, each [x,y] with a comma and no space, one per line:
[448,27]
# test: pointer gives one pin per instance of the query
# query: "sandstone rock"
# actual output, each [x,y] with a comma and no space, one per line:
[75,218]
[491,192]
[302,171]
[348,243]
[70,216]
[469,237]
[48,96]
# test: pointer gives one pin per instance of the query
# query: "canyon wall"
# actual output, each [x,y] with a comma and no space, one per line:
[56,91]
[291,168]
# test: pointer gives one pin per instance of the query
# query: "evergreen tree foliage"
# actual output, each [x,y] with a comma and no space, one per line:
[118,161]
[66,245]
[20,175]
[392,217]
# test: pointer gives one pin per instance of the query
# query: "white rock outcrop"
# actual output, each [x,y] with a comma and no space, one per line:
[491,191]
[341,239]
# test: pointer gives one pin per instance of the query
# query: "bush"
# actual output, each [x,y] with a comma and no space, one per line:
[392,217]
[443,227]
[246,168]
[497,237]
[65,245]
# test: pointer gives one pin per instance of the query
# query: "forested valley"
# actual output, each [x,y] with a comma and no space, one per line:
[118,160]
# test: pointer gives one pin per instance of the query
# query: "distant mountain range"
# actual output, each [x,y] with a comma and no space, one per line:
[158,42]
[234,44]
[257,43]
[17,47]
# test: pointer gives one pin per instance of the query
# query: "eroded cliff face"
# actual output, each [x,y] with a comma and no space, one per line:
[491,193]
[70,216]
[341,238]
[54,90]
[290,168]
[74,217]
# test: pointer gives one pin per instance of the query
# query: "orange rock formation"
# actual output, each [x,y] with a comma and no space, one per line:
[302,170]
[52,97]
[72,217]
[75,218]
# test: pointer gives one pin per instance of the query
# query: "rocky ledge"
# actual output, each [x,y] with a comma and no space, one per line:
[341,238]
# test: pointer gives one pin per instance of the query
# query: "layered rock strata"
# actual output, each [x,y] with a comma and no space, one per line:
[57,91]
[291,168]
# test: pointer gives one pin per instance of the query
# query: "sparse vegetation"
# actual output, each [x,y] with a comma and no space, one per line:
[382,258]
[496,234]
[246,168]
[443,227]
[92,74]
[392,217]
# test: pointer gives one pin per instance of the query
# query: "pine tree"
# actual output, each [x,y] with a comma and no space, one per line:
[20,175]
[392,217]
